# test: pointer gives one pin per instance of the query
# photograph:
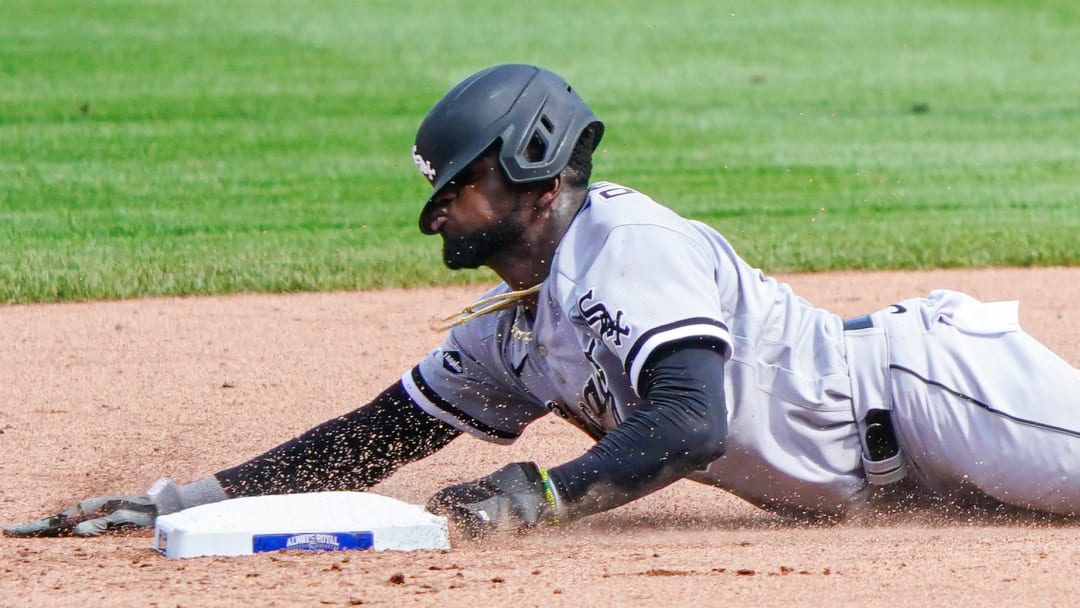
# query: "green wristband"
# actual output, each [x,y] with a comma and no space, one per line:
[550,495]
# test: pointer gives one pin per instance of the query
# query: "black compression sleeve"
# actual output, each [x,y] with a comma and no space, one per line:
[351,452]
[680,427]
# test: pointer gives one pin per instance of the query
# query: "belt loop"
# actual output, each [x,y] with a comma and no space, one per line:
[871,401]
[857,323]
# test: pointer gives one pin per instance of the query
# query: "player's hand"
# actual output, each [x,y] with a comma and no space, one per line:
[98,515]
[92,517]
[516,497]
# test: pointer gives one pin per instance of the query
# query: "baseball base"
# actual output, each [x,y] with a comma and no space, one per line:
[320,521]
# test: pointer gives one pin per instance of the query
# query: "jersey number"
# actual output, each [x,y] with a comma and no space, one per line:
[613,191]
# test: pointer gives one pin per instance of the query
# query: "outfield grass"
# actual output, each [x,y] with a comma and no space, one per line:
[163,147]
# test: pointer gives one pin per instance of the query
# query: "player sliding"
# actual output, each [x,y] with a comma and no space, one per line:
[648,332]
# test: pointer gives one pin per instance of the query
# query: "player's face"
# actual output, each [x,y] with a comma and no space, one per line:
[479,215]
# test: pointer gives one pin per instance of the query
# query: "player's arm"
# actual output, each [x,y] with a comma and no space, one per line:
[681,426]
[672,341]
[351,452]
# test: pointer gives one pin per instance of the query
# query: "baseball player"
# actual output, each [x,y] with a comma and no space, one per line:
[648,332]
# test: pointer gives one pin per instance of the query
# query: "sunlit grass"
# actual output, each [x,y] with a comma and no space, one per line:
[169,147]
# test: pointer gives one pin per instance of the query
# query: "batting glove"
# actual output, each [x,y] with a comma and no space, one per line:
[92,517]
[95,516]
[516,497]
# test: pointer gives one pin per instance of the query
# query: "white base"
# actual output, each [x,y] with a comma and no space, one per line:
[326,521]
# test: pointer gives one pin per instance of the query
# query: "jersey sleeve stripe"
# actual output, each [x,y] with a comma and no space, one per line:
[433,403]
[685,328]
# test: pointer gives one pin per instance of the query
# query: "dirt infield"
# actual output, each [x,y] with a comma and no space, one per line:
[106,397]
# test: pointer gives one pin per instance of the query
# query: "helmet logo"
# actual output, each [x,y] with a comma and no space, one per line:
[424,166]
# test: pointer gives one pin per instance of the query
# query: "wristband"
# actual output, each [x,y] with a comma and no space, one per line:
[165,495]
[550,495]
[170,498]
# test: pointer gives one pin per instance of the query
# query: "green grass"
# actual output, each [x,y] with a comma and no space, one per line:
[165,147]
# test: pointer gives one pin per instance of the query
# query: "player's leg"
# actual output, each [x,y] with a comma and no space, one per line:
[997,414]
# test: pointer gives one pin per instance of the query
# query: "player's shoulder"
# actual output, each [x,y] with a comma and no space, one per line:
[611,206]
[613,209]
[607,196]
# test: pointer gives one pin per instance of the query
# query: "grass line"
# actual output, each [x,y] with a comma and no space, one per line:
[156,147]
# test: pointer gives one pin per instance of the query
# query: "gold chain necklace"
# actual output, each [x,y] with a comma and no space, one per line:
[519,334]
[502,301]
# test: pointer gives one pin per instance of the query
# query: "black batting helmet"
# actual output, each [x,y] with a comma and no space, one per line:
[534,114]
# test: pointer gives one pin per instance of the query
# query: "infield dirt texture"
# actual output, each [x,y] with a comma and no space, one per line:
[181,148]
[104,397]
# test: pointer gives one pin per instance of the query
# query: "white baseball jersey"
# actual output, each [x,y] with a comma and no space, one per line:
[630,276]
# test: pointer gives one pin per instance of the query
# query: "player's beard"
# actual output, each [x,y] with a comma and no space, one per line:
[474,249]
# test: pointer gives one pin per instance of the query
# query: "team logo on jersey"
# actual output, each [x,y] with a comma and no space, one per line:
[451,361]
[596,396]
[423,165]
[599,318]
